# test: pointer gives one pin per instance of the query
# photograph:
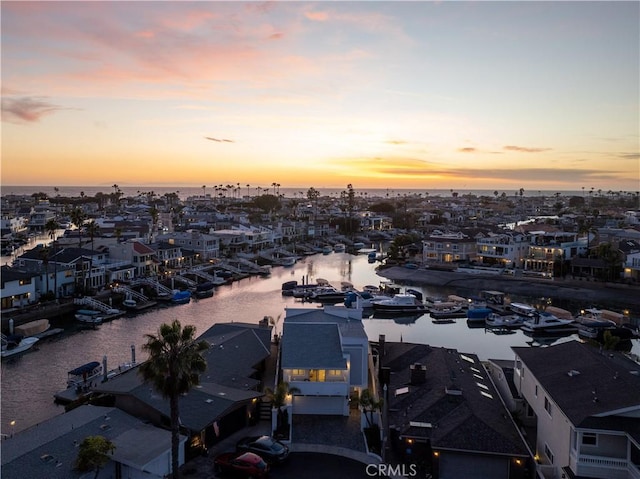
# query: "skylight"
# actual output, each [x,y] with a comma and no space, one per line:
[486,394]
[400,391]
[468,359]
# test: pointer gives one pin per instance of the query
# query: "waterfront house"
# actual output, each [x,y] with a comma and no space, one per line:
[18,287]
[584,406]
[206,245]
[49,450]
[631,251]
[505,249]
[444,413]
[445,247]
[227,397]
[324,356]
[138,254]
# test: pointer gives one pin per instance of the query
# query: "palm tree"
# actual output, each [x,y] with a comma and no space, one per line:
[52,226]
[174,365]
[77,218]
[44,256]
[92,230]
[278,398]
[369,405]
[93,453]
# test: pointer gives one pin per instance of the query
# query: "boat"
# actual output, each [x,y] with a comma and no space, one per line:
[181,297]
[84,375]
[339,248]
[547,323]
[477,311]
[399,303]
[130,303]
[327,294]
[446,310]
[358,245]
[524,309]
[10,347]
[89,316]
[204,290]
[326,249]
[510,321]
[362,299]
[32,328]
[592,324]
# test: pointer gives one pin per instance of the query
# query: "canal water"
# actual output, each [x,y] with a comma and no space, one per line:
[30,381]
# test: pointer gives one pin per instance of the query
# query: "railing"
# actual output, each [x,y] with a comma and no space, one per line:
[316,388]
[131,293]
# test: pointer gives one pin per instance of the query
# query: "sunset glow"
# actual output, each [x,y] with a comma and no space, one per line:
[539,95]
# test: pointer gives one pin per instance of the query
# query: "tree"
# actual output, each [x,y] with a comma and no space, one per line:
[92,230]
[369,405]
[174,366]
[94,453]
[52,226]
[77,218]
[278,398]
[44,256]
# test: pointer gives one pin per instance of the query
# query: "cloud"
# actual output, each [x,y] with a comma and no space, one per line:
[276,36]
[629,156]
[27,109]
[317,16]
[525,149]
[396,142]
[467,150]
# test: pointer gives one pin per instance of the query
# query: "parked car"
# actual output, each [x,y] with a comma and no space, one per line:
[268,448]
[241,464]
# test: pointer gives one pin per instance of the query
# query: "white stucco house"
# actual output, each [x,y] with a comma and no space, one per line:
[325,356]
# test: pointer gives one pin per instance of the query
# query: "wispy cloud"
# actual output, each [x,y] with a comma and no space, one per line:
[524,149]
[467,150]
[629,156]
[27,109]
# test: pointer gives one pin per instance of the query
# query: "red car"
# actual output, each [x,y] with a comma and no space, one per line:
[241,464]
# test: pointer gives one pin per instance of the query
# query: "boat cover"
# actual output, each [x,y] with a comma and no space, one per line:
[85,368]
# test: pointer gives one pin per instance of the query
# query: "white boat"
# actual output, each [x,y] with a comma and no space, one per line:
[327,294]
[592,324]
[400,303]
[130,303]
[495,320]
[339,248]
[523,309]
[358,245]
[21,347]
[89,316]
[447,310]
[547,323]
[84,375]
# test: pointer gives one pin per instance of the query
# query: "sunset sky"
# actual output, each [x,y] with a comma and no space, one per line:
[539,95]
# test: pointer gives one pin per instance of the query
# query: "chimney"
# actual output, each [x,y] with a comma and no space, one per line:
[418,373]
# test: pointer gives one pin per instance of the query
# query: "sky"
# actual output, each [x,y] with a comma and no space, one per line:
[467,95]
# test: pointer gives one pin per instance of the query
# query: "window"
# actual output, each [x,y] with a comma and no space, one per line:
[589,439]
[548,453]
[536,391]
[547,405]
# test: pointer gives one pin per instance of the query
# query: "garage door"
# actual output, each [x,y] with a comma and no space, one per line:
[319,405]
[456,466]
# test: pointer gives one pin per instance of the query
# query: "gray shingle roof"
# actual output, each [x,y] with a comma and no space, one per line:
[48,450]
[474,420]
[312,345]
[605,382]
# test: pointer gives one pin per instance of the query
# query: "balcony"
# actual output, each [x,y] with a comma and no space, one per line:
[603,466]
[317,388]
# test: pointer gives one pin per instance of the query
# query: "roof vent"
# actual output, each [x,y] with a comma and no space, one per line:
[208,400]
[573,372]
[453,391]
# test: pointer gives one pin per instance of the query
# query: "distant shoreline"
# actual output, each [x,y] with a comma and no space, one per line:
[623,296]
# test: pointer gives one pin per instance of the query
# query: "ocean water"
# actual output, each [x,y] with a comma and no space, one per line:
[256,190]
